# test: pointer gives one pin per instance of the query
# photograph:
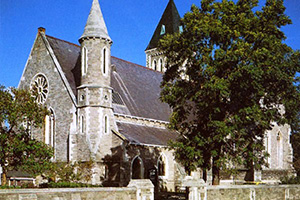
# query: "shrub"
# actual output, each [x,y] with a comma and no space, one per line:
[66,185]
[9,187]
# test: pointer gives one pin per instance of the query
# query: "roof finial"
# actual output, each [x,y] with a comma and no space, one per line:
[95,26]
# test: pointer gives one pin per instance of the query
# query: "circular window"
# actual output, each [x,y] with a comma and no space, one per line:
[40,88]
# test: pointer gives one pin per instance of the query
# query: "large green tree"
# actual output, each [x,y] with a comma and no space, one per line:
[229,75]
[19,113]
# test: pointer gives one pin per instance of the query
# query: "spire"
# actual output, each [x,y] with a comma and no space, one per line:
[95,25]
[168,24]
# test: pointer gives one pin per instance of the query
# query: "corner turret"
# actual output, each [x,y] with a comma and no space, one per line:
[94,99]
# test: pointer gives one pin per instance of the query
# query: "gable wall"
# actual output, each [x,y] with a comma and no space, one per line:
[58,98]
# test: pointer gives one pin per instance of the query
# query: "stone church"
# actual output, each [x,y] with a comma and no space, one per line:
[107,109]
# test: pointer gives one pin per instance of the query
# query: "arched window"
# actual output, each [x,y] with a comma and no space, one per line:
[106,125]
[105,61]
[161,166]
[267,147]
[160,65]
[137,168]
[279,150]
[50,129]
[155,65]
[84,60]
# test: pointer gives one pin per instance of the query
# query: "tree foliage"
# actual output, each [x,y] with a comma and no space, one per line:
[77,172]
[19,113]
[229,75]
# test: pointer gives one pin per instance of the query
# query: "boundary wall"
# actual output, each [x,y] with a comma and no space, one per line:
[141,189]
[245,192]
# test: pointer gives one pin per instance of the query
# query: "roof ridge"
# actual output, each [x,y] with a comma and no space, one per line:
[63,41]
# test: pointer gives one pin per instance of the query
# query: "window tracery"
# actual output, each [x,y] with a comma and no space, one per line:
[40,88]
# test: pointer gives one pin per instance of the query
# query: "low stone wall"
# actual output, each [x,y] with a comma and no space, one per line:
[136,190]
[249,192]
[201,191]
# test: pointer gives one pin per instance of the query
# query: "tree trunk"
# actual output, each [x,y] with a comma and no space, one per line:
[3,180]
[250,166]
[250,172]
[215,172]
[204,174]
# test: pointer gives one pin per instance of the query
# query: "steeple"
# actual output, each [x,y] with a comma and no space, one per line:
[168,24]
[95,26]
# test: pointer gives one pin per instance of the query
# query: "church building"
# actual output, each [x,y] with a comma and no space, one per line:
[108,110]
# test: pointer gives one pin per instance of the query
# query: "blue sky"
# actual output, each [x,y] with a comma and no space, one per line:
[130,25]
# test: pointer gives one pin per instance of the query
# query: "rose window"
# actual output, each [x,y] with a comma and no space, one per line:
[40,89]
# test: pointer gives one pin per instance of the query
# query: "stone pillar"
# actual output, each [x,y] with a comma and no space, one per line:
[197,188]
[144,189]
[257,175]
[209,177]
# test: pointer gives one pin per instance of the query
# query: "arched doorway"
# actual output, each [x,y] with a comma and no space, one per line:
[137,168]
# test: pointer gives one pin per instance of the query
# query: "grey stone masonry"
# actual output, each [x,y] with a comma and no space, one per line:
[251,192]
[136,190]
[42,61]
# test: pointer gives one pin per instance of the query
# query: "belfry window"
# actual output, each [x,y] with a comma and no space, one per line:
[155,65]
[160,65]
[84,60]
[50,129]
[163,30]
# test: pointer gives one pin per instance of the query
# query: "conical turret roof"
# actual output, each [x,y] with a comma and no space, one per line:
[95,25]
[168,24]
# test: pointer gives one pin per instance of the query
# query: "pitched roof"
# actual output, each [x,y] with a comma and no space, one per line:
[141,135]
[138,86]
[171,22]
[67,55]
[95,25]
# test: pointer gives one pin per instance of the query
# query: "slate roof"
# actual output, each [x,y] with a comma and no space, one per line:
[171,20]
[138,86]
[68,56]
[95,26]
[138,134]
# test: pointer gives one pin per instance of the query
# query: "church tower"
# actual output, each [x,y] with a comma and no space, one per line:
[94,92]
[168,24]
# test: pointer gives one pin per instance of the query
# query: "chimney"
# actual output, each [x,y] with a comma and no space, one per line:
[41,30]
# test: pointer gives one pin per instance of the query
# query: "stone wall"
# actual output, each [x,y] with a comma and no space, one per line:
[59,100]
[137,190]
[247,192]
